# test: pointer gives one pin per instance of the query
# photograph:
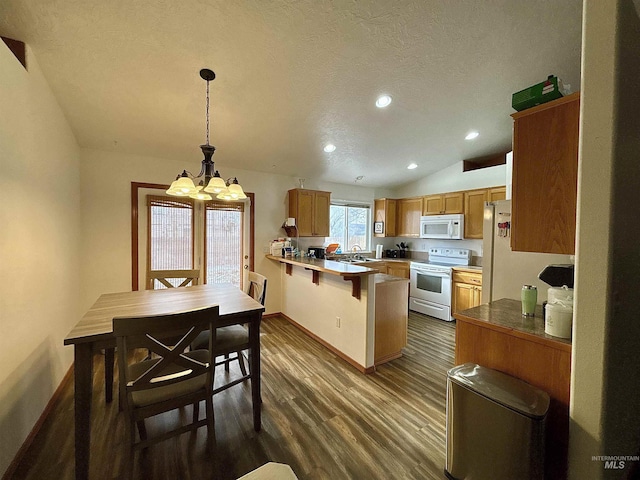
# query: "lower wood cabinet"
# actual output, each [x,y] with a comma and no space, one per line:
[466,290]
[398,269]
[391,319]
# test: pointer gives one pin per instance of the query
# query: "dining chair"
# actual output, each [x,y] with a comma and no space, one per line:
[234,339]
[166,279]
[172,378]
[171,278]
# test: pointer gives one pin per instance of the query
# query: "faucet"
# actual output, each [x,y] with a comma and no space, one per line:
[355,255]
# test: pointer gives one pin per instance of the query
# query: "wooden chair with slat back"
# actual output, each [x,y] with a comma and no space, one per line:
[235,338]
[173,378]
[164,277]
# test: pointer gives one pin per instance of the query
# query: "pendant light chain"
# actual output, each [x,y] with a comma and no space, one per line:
[207,112]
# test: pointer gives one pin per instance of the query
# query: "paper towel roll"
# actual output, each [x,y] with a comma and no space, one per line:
[291,222]
[378,251]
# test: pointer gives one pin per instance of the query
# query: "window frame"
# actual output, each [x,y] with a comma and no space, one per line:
[369,217]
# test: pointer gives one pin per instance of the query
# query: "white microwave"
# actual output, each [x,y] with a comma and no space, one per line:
[449,227]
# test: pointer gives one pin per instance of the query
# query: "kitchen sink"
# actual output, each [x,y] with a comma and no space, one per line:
[358,260]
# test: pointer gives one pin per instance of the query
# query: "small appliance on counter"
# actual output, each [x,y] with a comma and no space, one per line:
[318,252]
[557,311]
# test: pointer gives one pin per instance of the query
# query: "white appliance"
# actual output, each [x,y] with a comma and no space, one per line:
[430,281]
[503,271]
[447,227]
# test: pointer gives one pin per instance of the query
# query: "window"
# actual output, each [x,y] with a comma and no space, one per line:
[349,226]
[175,238]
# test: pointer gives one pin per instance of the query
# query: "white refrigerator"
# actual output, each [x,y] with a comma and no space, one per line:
[505,272]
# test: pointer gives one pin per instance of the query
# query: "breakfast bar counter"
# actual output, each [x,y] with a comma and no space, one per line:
[354,311]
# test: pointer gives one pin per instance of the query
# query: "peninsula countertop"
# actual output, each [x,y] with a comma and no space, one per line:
[327,266]
[505,315]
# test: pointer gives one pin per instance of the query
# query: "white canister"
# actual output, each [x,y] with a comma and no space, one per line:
[558,319]
[378,251]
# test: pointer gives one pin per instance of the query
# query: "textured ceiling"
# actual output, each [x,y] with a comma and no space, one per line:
[293,75]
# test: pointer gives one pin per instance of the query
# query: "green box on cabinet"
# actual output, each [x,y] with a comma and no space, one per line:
[535,95]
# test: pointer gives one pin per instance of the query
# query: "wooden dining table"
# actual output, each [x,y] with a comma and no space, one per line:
[94,333]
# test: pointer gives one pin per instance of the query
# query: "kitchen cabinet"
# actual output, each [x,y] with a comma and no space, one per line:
[474,212]
[545,177]
[443,203]
[398,269]
[391,318]
[310,208]
[385,212]
[409,213]
[497,193]
[466,291]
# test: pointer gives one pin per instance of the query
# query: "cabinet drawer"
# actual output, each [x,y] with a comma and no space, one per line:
[467,277]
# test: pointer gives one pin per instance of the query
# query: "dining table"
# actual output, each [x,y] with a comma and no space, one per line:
[94,334]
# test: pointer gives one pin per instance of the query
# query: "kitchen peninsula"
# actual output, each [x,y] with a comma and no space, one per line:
[354,311]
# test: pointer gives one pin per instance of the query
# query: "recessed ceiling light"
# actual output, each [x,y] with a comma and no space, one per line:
[471,135]
[412,166]
[329,147]
[383,101]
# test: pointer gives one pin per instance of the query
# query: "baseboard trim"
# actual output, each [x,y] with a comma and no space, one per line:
[68,377]
[271,315]
[328,346]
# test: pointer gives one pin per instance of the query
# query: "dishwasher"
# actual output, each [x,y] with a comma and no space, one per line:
[495,425]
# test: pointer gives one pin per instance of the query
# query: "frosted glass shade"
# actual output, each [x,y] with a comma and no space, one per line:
[216,185]
[182,187]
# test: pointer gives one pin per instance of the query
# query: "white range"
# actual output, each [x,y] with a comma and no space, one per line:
[430,287]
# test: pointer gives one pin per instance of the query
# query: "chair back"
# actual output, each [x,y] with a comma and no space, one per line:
[152,332]
[171,278]
[257,287]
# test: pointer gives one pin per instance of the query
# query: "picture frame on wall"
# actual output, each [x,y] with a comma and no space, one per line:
[378,227]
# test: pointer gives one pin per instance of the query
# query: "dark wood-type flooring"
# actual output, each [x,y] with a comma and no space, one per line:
[320,415]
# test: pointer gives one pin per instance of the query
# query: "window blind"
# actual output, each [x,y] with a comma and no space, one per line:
[224,223]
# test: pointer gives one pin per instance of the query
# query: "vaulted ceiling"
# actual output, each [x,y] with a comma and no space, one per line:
[294,75]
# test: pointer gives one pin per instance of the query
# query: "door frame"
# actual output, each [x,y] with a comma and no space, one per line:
[135,217]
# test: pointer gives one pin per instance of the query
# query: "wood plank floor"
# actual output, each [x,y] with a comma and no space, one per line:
[320,415]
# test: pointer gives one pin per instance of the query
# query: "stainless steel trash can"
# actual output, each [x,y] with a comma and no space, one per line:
[495,425]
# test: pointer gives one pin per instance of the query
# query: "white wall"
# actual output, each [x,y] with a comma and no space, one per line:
[106,212]
[39,247]
[452,179]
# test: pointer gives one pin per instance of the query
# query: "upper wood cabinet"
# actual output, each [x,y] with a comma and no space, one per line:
[310,208]
[409,213]
[497,193]
[443,203]
[385,211]
[545,177]
[474,212]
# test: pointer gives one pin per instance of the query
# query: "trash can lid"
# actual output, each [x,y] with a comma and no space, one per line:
[504,389]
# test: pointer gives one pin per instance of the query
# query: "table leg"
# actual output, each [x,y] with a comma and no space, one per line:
[83,374]
[254,337]
[109,355]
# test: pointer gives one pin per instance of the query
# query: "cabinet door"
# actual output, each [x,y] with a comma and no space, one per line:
[474,212]
[453,202]
[463,297]
[385,211]
[409,212]
[301,208]
[497,193]
[545,174]
[477,296]
[321,207]
[398,270]
[432,205]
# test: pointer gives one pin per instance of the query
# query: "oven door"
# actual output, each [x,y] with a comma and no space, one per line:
[431,286]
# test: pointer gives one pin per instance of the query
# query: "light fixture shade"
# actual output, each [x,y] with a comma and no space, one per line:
[200,194]
[216,185]
[182,187]
[224,196]
[236,192]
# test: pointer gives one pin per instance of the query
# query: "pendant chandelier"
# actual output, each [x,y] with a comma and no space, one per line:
[211,183]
